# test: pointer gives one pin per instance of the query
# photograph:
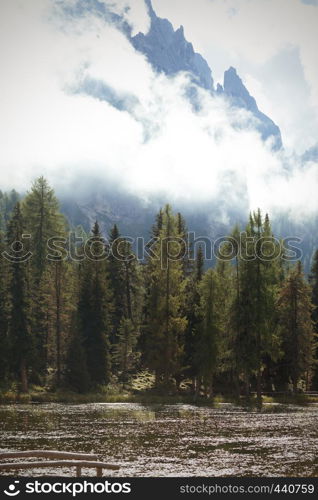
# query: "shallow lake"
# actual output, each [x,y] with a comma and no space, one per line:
[170,440]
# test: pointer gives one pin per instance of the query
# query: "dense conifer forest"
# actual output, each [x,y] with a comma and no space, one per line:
[82,312]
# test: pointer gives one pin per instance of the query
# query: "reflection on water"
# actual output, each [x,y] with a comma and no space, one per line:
[171,440]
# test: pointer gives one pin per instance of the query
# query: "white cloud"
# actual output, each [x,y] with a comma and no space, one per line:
[191,156]
[251,35]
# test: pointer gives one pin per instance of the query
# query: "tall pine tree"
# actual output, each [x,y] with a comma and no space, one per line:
[94,310]
[295,310]
[4,345]
[20,336]
[166,323]
[209,330]
[43,221]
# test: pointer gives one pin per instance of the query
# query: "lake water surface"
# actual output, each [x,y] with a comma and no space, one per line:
[170,440]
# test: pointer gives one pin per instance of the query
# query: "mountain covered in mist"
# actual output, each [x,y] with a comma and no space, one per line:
[169,52]
[238,95]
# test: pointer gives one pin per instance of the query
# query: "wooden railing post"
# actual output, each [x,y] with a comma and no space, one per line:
[77,460]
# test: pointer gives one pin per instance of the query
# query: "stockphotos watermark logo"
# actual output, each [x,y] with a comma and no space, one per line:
[12,490]
[74,489]
[226,248]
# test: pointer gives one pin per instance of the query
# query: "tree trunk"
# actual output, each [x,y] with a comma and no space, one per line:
[197,387]
[58,320]
[211,387]
[24,376]
[194,385]
[236,384]
[259,388]
[247,386]
[206,389]
[128,294]
[307,380]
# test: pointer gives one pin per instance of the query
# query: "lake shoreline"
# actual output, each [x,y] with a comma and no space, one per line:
[10,397]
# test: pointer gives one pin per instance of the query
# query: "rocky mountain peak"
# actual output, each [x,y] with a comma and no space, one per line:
[168,50]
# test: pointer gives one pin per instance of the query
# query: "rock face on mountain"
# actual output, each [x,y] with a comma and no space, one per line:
[234,89]
[169,52]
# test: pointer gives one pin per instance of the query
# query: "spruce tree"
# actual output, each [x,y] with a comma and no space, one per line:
[62,303]
[253,310]
[193,315]
[94,312]
[125,354]
[127,290]
[166,323]
[226,293]
[235,311]
[20,336]
[186,253]
[295,310]
[157,227]
[4,346]
[116,281]
[76,376]
[43,222]
[209,330]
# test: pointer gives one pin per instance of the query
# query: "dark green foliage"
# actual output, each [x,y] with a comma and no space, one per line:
[94,312]
[209,330]
[4,314]
[157,227]
[20,336]
[125,355]
[193,315]
[116,281]
[165,321]
[253,311]
[43,221]
[126,285]
[296,327]
[7,203]
[76,375]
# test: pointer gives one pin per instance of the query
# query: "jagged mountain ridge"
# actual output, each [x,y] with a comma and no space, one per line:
[234,89]
[169,52]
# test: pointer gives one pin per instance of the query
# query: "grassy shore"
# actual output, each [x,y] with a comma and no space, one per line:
[95,397]
[140,390]
[143,397]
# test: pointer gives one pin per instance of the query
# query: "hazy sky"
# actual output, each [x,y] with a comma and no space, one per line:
[48,126]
